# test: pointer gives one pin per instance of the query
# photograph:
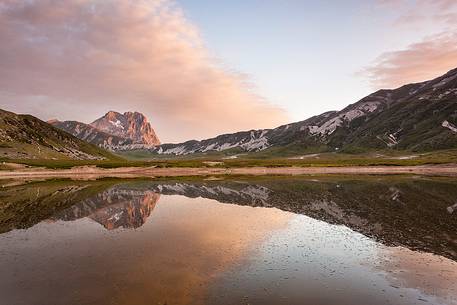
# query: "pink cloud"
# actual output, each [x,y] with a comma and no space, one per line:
[426,59]
[447,18]
[79,58]
[418,62]
[421,12]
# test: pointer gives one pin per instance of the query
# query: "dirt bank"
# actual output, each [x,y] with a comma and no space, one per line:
[89,172]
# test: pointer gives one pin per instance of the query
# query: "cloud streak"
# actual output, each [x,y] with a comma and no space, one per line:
[423,60]
[418,62]
[80,58]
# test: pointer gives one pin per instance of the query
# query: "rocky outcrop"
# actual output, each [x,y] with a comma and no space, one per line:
[130,125]
[91,134]
[114,131]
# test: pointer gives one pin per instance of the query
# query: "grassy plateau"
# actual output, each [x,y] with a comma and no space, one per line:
[383,158]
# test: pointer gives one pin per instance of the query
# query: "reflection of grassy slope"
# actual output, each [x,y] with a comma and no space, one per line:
[408,212]
[404,211]
[23,206]
[397,210]
[324,159]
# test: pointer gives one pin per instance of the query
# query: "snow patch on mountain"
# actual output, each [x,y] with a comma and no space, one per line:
[327,128]
[369,106]
[345,116]
[210,147]
[449,126]
[444,82]
[353,114]
[226,146]
[256,143]
[180,150]
[116,124]
[392,140]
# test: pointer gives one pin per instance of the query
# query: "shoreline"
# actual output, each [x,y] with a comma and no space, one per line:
[90,172]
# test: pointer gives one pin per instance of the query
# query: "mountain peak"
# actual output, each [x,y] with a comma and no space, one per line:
[52,121]
[130,125]
[452,72]
[112,114]
[135,113]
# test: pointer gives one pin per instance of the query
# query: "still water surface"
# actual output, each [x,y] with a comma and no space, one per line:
[319,240]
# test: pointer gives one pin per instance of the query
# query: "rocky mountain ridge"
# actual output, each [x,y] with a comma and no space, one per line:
[419,117]
[129,125]
[114,131]
[91,134]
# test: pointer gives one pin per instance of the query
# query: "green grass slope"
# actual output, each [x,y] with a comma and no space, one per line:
[26,137]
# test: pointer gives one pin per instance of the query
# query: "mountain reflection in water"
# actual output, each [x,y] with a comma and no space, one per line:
[189,249]
[415,213]
[118,207]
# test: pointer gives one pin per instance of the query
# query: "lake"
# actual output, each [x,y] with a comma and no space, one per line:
[265,240]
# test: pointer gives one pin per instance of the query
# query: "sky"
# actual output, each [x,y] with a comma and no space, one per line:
[199,68]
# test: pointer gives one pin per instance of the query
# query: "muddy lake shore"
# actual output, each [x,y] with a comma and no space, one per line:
[129,172]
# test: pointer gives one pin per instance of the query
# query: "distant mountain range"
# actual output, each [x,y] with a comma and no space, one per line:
[26,137]
[114,131]
[416,117]
[419,117]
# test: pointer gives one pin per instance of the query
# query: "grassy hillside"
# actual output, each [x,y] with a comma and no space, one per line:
[375,158]
[26,137]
